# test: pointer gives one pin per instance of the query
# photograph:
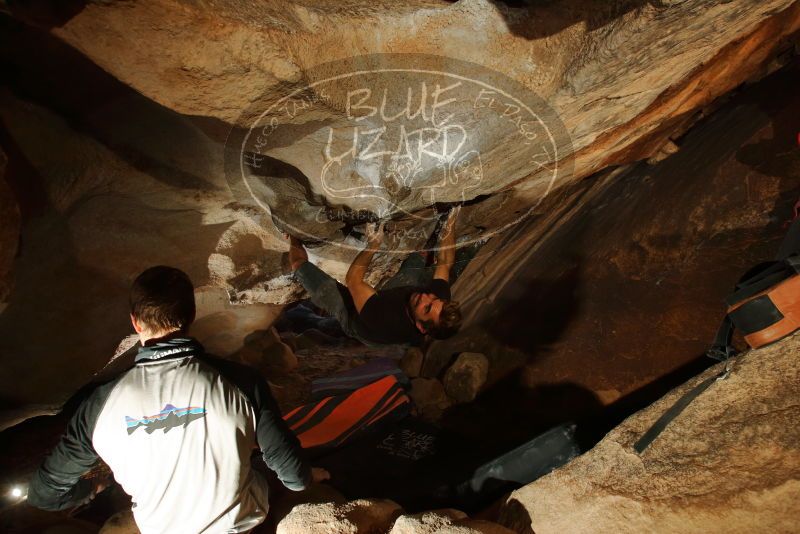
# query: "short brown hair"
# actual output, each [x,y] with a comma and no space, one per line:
[449,321]
[162,299]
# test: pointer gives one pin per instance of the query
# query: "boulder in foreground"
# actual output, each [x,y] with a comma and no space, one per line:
[362,516]
[729,463]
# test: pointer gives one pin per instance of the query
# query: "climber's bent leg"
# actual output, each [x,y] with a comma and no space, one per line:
[325,292]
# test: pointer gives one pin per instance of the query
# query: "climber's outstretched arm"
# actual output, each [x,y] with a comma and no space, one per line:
[359,289]
[446,255]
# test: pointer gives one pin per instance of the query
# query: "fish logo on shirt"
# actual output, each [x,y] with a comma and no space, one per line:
[168,418]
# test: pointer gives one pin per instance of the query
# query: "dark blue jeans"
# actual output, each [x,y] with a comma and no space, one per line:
[327,293]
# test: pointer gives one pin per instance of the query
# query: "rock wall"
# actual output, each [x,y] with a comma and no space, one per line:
[95,222]
[606,70]
[125,125]
[117,115]
[621,79]
[9,234]
[729,463]
[611,297]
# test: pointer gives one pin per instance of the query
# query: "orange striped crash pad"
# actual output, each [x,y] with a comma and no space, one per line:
[333,420]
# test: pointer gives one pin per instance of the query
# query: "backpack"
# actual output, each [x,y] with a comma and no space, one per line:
[764,307]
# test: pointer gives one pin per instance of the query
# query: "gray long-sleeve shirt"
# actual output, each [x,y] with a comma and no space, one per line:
[177,430]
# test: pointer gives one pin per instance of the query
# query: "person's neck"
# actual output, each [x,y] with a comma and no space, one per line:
[148,339]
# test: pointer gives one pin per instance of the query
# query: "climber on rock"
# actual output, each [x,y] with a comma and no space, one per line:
[413,305]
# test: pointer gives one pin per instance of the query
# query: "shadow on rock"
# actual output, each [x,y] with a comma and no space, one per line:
[492,422]
[537,19]
[778,155]
[46,13]
[530,314]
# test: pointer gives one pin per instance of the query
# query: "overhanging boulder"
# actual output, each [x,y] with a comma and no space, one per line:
[622,76]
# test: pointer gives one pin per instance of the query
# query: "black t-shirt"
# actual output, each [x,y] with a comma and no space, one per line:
[386,316]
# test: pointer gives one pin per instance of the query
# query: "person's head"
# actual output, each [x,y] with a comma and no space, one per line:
[162,302]
[434,316]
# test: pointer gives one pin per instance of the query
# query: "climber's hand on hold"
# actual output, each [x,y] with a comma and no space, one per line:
[375,232]
[450,224]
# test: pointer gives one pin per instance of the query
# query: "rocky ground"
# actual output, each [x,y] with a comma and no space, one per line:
[735,448]
[729,463]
